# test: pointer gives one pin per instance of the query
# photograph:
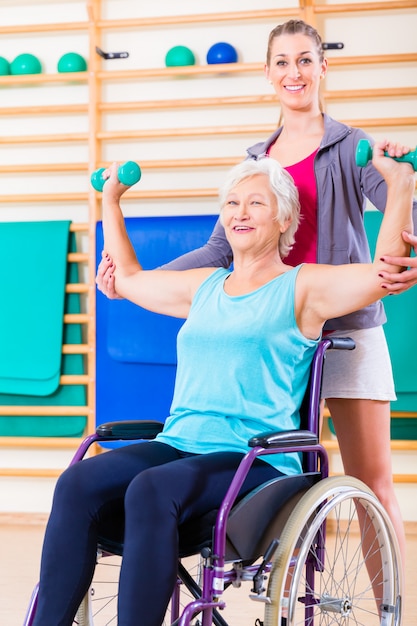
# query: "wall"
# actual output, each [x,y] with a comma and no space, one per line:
[119,111]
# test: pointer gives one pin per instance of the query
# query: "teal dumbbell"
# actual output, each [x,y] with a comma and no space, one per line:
[364,154]
[129,174]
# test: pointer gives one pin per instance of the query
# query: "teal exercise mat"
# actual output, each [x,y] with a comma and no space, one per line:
[64,395]
[31,316]
[402,344]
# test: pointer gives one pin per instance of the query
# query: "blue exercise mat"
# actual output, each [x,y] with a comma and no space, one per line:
[136,349]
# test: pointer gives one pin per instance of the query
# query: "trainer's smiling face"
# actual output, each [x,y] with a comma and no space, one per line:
[249,215]
[295,70]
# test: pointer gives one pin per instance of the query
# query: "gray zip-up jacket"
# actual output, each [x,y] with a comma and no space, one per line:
[342,189]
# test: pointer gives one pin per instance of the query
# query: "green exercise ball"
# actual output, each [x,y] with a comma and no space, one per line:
[25,64]
[178,56]
[72,62]
[4,67]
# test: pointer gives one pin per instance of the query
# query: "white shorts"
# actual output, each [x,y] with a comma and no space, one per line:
[363,373]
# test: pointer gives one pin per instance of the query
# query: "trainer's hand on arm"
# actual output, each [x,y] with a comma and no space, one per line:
[397,283]
[105,277]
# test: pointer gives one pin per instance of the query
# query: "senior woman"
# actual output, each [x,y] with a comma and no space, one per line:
[264,320]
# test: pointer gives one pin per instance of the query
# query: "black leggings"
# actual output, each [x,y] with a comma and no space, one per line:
[154,488]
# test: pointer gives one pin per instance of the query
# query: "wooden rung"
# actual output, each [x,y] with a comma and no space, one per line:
[76,318]
[33,79]
[41,198]
[47,109]
[61,138]
[349,94]
[398,445]
[403,445]
[151,194]
[106,107]
[77,257]
[36,472]
[188,132]
[261,130]
[264,99]
[226,68]
[187,163]
[405,478]
[42,28]
[372,59]
[161,194]
[363,6]
[39,411]
[27,199]
[43,167]
[195,18]
[75,348]
[74,379]
[77,288]
[242,68]
[397,478]
[382,122]
[79,227]
[40,442]
[174,72]
[40,79]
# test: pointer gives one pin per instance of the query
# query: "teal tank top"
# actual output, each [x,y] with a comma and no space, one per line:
[243,368]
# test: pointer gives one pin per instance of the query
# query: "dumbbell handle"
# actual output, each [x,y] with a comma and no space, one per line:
[128,173]
[364,154]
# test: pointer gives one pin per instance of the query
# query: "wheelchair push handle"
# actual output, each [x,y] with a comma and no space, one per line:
[341,343]
[364,155]
[128,173]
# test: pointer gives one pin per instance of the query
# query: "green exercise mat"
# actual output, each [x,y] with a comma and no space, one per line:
[64,395]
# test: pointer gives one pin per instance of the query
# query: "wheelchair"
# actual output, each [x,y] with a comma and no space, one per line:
[304,550]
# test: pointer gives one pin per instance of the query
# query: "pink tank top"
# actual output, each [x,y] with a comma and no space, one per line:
[305,246]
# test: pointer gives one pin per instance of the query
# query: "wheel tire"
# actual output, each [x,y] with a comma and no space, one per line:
[342,593]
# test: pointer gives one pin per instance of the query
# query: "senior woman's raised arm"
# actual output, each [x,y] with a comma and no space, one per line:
[167,292]
[326,292]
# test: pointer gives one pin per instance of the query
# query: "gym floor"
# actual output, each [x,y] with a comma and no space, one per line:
[20,545]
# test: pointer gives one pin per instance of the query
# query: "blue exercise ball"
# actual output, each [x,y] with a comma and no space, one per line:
[221,52]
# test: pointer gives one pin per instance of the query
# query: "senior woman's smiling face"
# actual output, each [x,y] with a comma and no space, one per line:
[249,213]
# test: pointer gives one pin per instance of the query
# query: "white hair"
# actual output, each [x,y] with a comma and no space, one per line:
[281,185]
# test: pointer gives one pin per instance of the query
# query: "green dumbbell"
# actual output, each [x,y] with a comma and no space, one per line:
[129,174]
[364,154]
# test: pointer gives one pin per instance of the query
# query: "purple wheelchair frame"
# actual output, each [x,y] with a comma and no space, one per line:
[215,577]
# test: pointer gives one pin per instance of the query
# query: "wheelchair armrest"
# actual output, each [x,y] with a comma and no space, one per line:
[284,439]
[129,429]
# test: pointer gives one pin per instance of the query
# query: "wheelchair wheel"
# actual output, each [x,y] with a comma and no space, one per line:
[338,561]
[99,607]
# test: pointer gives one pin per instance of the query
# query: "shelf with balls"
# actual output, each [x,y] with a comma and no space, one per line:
[27,68]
